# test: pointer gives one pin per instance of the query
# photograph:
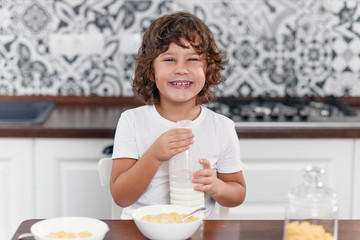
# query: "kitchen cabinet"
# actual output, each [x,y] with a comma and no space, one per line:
[67,181]
[356,181]
[273,166]
[16,184]
[52,177]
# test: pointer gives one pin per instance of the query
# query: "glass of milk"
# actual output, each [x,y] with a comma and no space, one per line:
[182,166]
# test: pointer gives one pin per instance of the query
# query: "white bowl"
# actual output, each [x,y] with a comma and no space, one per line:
[97,228]
[162,231]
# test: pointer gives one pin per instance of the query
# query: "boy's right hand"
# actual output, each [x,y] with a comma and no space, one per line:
[171,143]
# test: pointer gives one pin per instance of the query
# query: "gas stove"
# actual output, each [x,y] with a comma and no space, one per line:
[287,112]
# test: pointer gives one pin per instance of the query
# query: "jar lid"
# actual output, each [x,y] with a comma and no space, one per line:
[312,190]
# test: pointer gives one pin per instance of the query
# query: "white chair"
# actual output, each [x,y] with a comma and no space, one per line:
[223,212]
[104,169]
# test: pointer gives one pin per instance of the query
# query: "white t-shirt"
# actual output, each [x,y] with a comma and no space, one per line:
[215,136]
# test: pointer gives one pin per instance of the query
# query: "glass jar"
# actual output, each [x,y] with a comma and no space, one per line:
[312,211]
[181,169]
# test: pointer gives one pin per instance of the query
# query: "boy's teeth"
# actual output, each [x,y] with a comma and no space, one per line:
[180,83]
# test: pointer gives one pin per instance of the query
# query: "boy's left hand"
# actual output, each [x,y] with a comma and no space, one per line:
[207,178]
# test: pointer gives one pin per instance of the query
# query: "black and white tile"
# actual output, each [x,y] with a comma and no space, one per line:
[275,47]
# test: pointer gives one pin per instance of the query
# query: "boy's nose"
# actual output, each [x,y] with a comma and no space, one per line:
[181,68]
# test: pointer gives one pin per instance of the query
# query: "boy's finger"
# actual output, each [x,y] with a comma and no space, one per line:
[182,130]
[178,136]
[205,163]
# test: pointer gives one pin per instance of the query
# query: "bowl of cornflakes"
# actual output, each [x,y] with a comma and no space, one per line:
[75,228]
[163,222]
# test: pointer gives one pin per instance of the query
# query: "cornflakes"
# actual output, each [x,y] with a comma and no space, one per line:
[306,231]
[168,218]
[68,235]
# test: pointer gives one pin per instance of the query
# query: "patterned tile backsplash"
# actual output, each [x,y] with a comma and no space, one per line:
[87,47]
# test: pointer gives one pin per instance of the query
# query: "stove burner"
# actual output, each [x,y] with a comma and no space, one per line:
[286,110]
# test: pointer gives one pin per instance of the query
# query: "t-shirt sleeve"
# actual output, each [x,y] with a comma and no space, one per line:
[230,160]
[124,141]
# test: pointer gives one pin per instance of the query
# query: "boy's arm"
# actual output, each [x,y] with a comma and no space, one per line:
[130,177]
[232,189]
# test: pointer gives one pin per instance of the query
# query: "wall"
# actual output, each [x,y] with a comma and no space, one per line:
[87,47]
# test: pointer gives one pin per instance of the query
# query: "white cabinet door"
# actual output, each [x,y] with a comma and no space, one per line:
[16,184]
[273,166]
[356,186]
[67,181]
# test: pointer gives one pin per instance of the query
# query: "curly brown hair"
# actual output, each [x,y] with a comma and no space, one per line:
[172,28]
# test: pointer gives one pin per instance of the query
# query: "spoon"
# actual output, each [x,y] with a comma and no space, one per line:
[195,211]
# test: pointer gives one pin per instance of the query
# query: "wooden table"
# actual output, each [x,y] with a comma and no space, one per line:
[215,229]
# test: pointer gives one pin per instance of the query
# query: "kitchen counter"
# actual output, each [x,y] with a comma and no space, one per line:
[96,117]
[73,117]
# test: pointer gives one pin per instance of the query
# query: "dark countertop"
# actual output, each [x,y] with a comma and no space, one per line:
[73,117]
[96,117]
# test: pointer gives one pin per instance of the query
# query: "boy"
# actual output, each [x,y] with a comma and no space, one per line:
[177,70]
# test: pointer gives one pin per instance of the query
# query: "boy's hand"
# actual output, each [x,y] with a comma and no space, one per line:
[207,178]
[171,143]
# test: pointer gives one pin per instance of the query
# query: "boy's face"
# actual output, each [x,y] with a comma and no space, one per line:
[179,73]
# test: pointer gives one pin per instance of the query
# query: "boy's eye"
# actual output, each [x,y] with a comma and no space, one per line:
[194,59]
[169,59]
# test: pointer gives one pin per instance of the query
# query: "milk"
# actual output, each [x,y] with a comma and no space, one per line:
[186,196]
[181,169]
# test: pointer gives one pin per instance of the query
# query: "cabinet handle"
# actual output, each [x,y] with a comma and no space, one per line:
[108,150]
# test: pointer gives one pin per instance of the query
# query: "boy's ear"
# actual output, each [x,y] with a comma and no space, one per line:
[152,77]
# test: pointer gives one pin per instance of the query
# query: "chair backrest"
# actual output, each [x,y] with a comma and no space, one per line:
[224,212]
[104,169]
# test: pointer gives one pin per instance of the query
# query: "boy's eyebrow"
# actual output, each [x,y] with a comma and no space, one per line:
[165,53]
[171,53]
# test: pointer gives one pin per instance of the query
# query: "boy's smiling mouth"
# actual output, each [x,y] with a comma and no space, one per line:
[181,83]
